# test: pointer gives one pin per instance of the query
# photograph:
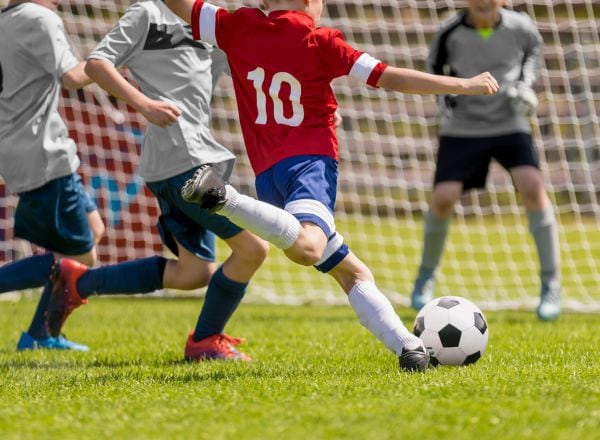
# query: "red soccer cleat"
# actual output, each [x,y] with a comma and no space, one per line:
[219,346]
[64,298]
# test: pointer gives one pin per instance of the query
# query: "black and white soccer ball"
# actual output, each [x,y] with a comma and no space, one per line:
[453,329]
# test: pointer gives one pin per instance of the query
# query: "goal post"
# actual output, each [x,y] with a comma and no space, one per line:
[388,143]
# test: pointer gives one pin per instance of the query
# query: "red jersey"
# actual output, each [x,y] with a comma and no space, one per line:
[282,66]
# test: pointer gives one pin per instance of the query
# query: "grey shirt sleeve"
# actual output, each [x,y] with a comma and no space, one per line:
[50,46]
[533,53]
[126,39]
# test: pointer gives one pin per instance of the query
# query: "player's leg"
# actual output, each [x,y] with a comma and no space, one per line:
[193,229]
[376,313]
[228,284]
[462,164]
[543,228]
[225,291]
[435,230]
[517,154]
[74,231]
[34,271]
[266,219]
[26,273]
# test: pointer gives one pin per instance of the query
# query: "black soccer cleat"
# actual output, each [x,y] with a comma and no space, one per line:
[206,188]
[414,360]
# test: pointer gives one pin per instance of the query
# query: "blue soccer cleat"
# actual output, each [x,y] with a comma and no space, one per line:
[549,307]
[27,342]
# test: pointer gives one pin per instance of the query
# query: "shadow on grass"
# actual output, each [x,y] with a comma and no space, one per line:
[58,364]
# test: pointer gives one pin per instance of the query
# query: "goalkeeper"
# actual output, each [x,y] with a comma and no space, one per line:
[476,129]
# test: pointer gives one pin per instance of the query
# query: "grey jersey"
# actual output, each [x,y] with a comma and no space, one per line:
[34,55]
[168,65]
[512,54]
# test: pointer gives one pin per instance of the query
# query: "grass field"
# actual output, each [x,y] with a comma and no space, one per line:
[318,375]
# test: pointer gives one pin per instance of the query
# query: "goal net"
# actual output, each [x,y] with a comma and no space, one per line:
[387,145]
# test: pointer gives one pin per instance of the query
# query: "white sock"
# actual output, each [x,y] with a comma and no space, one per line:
[265,220]
[376,313]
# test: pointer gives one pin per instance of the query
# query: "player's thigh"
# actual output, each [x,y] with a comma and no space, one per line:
[308,185]
[55,216]
[515,150]
[463,159]
[516,153]
[94,220]
[189,271]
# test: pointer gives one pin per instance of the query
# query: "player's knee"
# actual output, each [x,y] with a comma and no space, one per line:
[305,255]
[188,274]
[309,247]
[196,279]
[534,195]
[442,206]
[250,249]
[257,250]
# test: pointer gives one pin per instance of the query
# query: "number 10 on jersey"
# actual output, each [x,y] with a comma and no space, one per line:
[257,76]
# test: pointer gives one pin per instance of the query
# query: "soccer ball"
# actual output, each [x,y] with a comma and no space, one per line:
[453,330]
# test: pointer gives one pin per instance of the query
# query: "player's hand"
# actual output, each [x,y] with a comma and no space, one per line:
[482,84]
[337,119]
[161,113]
[522,98]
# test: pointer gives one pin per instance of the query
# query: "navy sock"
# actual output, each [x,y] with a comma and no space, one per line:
[38,328]
[222,298]
[27,273]
[138,276]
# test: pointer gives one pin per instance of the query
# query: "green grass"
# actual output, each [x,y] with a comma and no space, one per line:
[318,375]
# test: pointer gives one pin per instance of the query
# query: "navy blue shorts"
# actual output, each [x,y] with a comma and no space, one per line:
[305,186]
[193,227]
[55,216]
[467,160]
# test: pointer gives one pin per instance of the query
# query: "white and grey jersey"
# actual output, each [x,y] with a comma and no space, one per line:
[512,54]
[34,55]
[168,65]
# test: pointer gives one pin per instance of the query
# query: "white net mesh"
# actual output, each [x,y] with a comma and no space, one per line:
[388,144]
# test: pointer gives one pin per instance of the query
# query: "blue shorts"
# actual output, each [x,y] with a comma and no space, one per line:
[305,186]
[55,216]
[467,160]
[193,227]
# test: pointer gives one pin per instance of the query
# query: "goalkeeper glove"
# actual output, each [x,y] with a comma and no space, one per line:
[522,98]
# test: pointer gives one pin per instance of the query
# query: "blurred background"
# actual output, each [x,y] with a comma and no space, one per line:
[388,143]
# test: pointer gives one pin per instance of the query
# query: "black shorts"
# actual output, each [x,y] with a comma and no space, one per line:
[467,159]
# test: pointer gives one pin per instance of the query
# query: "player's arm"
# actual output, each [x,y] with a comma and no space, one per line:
[76,78]
[108,77]
[421,83]
[183,8]
[533,58]
[339,58]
